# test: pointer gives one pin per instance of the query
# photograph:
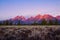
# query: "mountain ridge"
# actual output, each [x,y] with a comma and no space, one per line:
[38,19]
[46,16]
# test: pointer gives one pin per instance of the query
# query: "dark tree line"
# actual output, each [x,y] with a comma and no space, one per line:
[19,22]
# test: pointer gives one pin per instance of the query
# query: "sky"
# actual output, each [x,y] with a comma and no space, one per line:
[27,8]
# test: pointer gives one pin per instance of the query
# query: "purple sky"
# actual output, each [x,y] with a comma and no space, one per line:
[27,8]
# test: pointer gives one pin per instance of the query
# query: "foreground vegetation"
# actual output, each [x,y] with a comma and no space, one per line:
[30,32]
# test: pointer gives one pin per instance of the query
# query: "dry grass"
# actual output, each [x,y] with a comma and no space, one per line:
[30,32]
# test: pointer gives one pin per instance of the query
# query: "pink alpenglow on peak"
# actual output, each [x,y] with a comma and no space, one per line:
[47,16]
[39,17]
[58,17]
[19,18]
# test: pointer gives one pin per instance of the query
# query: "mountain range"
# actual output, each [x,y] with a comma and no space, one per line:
[39,19]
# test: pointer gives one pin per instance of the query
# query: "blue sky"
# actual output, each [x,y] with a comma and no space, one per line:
[27,8]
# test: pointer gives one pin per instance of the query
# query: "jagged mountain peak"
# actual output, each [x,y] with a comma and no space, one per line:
[58,17]
[47,16]
[18,18]
[39,17]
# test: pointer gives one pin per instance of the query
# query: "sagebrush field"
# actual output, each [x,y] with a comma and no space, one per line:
[28,32]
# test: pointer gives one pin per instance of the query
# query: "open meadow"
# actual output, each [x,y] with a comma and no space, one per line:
[30,32]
